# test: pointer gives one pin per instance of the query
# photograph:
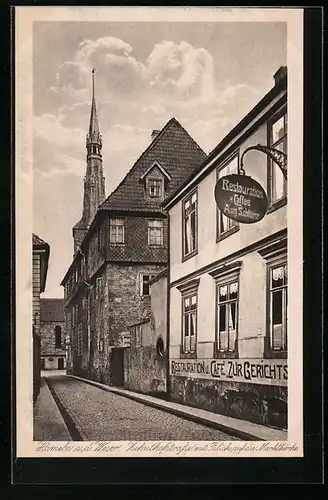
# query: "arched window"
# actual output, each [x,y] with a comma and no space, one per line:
[58,333]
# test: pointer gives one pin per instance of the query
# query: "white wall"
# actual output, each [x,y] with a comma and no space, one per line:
[53,365]
[252,284]
[252,312]
[208,249]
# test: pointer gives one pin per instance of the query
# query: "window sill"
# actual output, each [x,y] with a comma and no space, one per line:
[188,355]
[276,205]
[116,244]
[228,233]
[189,255]
[225,354]
[275,355]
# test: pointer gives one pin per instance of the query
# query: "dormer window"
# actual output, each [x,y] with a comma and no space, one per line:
[155,180]
[155,188]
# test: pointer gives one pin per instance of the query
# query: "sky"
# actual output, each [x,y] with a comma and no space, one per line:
[206,75]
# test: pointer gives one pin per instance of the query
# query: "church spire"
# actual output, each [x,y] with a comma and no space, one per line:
[94,180]
[94,142]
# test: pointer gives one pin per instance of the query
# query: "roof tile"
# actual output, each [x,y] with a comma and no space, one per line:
[52,310]
[175,150]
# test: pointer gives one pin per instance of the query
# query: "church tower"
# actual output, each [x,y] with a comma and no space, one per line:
[94,180]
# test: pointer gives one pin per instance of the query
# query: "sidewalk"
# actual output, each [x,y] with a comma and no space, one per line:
[48,424]
[236,427]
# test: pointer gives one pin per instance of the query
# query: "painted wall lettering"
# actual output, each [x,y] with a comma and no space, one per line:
[255,371]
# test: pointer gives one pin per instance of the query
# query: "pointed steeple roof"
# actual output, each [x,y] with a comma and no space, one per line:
[94,135]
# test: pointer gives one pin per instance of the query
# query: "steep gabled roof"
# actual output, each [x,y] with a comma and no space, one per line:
[52,310]
[156,165]
[38,242]
[177,153]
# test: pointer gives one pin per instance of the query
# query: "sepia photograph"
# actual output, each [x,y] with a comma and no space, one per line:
[159,231]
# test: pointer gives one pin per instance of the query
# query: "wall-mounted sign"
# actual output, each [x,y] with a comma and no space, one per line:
[253,371]
[124,339]
[241,198]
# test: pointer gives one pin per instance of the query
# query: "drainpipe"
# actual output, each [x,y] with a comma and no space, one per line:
[168,382]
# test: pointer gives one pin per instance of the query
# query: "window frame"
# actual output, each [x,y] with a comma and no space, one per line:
[58,331]
[160,182]
[269,352]
[99,286]
[274,205]
[185,296]
[141,283]
[186,256]
[116,226]
[226,275]
[156,245]
[79,334]
[235,225]
[188,290]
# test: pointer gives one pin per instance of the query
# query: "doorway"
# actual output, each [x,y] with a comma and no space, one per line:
[117,367]
[60,363]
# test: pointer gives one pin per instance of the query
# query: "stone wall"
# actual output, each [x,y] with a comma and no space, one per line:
[114,302]
[145,370]
[261,404]
[49,352]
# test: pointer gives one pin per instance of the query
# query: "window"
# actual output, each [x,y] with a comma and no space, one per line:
[226,226]
[278,307]
[138,336]
[100,238]
[189,323]
[227,316]
[98,287]
[69,322]
[144,284]
[58,334]
[155,232]
[116,231]
[189,228]
[160,346]
[79,340]
[277,138]
[155,188]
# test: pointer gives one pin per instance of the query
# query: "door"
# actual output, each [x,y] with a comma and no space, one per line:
[117,367]
[60,363]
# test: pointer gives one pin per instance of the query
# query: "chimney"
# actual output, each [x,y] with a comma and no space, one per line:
[280,75]
[154,134]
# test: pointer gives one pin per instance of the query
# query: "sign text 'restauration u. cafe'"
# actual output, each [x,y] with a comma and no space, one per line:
[255,371]
[241,198]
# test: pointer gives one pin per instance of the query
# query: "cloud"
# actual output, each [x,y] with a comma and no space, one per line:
[134,97]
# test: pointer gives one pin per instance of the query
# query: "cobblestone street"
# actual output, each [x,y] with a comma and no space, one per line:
[104,416]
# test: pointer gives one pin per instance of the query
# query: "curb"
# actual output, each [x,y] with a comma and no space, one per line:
[243,435]
[74,429]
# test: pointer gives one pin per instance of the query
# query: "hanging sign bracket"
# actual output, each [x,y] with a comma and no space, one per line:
[279,157]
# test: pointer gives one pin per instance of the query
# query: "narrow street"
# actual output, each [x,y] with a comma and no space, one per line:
[93,414]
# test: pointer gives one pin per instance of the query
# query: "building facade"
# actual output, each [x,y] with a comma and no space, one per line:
[40,261]
[228,281]
[52,334]
[119,247]
[146,358]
